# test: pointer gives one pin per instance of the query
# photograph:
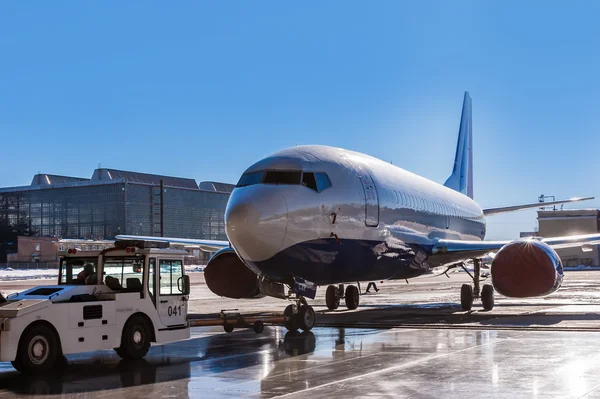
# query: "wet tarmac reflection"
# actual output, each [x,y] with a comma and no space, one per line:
[333,362]
[100,372]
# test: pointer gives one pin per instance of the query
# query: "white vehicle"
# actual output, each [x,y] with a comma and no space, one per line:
[125,298]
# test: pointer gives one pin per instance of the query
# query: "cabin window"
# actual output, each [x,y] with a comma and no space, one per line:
[282,177]
[323,181]
[126,273]
[308,180]
[71,268]
[171,274]
[249,179]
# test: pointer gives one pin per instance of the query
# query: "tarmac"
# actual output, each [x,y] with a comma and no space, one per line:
[407,340]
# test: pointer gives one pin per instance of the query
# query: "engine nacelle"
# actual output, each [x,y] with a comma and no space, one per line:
[226,275]
[526,268]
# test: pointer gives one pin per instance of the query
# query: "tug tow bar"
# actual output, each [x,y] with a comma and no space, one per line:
[230,319]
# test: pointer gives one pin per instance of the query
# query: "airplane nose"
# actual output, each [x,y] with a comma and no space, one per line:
[256,223]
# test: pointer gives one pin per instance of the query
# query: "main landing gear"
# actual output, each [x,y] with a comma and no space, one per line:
[334,294]
[469,293]
[299,315]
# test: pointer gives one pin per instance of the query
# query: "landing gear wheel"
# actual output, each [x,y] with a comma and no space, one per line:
[290,318]
[258,326]
[306,317]
[352,297]
[466,297]
[331,298]
[228,327]
[38,350]
[487,297]
[135,341]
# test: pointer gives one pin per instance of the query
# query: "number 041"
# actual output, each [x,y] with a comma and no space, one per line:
[174,310]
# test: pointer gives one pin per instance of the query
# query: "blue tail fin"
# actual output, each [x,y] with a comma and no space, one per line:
[461,178]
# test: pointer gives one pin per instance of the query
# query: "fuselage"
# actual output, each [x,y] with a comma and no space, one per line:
[330,215]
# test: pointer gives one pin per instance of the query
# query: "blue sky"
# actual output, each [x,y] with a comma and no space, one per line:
[202,90]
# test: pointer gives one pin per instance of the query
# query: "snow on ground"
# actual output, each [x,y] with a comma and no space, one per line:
[9,274]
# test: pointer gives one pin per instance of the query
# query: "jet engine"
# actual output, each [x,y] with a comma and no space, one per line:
[226,275]
[526,268]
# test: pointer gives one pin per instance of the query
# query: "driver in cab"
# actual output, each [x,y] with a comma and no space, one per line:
[87,275]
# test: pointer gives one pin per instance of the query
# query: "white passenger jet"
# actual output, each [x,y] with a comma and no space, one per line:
[313,215]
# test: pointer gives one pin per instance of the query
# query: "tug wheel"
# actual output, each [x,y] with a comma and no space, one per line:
[38,350]
[135,341]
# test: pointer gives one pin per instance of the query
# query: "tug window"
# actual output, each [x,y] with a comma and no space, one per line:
[72,268]
[171,274]
[282,177]
[308,180]
[126,273]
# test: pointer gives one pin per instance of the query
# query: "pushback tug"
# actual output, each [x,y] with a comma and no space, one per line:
[122,298]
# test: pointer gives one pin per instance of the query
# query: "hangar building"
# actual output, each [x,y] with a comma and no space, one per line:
[554,223]
[116,202]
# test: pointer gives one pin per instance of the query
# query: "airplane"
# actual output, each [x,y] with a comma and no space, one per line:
[315,215]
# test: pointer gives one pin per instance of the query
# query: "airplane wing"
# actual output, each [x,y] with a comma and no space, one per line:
[444,251]
[447,251]
[494,211]
[205,245]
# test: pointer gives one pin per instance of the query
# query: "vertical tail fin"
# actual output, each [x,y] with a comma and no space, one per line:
[461,178]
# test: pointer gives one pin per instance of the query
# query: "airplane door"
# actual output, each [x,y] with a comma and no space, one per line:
[371,198]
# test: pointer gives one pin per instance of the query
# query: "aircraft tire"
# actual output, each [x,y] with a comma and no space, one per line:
[352,297]
[306,317]
[487,297]
[290,318]
[228,327]
[466,297]
[331,298]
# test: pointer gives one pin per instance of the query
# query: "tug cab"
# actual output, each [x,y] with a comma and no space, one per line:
[123,298]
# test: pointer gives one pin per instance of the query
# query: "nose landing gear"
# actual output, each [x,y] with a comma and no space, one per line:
[299,315]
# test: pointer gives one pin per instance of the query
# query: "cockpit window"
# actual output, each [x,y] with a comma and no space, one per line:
[282,177]
[314,181]
[308,180]
[323,181]
[249,179]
